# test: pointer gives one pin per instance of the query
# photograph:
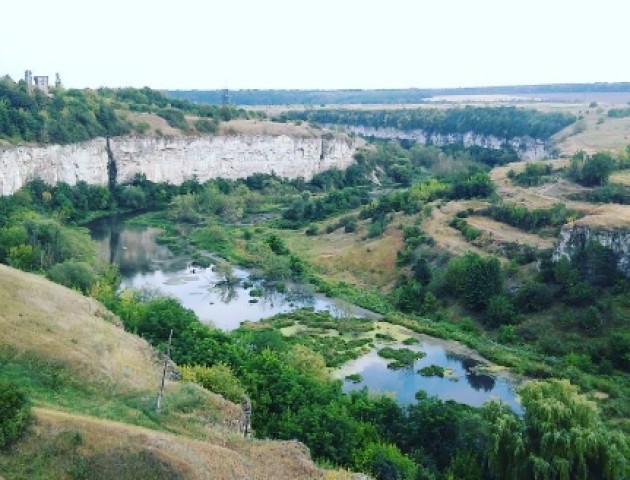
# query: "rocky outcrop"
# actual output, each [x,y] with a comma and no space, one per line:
[175,160]
[526,148]
[575,237]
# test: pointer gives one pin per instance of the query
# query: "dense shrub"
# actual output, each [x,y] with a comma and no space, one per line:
[533,297]
[611,193]
[473,183]
[15,411]
[385,462]
[529,220]
[500,311]
[469,232]
[534,174]
[204,125]
[218,378]
[591,171]
[73,274]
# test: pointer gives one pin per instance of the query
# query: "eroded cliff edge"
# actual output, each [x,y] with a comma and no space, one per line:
[610,231]
[526,148]
[174,160]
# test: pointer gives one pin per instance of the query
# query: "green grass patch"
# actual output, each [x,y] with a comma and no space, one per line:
[51,383]
[338,340]
[432,371]
[402,357]
[354,378]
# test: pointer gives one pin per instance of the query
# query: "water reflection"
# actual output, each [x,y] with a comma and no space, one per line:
[226,303]
[462,383]
[227,292]
[132,247]
[219,295]
[475,380]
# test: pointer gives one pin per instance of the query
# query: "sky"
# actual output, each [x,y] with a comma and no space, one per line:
[322,44]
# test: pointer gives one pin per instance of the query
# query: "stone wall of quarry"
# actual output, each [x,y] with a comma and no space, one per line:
[175,160]
[575,237]
[526,148]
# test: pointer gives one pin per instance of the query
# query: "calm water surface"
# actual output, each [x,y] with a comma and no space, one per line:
[146,264]
[464,386]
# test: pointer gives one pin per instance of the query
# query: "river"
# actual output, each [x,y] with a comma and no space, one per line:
[145,264]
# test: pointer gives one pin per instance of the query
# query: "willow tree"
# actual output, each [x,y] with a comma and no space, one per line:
[560,437]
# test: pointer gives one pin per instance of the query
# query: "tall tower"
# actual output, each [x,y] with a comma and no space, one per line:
[58,83]
[41,83]
[28,78]
[225,97]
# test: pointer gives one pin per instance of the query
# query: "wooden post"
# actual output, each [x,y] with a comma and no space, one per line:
[166,359]
[247,413]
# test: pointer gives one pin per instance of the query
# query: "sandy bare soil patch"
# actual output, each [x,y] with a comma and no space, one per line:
[264,127]
[156,124]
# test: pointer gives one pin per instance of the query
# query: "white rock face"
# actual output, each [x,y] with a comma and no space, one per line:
[525,147]
[575,237]
[175,160]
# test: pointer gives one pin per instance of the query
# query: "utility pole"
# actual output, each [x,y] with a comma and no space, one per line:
[166,359]
[225,97]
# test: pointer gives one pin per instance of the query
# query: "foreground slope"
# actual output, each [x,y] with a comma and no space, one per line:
[93,386]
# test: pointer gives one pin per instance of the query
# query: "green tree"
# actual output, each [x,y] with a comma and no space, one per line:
[561,437]
[475,279]
[385,462]
[154,319]
[597,169]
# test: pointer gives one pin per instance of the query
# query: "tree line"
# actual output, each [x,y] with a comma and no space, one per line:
[71,116]
[400,96]
[500,122]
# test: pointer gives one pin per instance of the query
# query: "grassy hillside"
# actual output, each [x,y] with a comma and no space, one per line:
[94,388]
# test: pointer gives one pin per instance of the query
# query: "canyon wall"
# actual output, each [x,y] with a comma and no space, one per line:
[175,160]
[575,237]
[526,148]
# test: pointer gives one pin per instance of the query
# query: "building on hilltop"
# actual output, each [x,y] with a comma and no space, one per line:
[39,82]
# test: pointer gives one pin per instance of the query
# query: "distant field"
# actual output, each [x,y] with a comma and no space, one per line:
[622,177]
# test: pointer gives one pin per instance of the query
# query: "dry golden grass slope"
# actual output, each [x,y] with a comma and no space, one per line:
[50,321]
[39,319]
[229,458]
[264,127]
[594,132]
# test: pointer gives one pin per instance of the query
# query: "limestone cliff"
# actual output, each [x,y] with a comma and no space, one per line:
[175,160]
[575,236]
[526,148]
